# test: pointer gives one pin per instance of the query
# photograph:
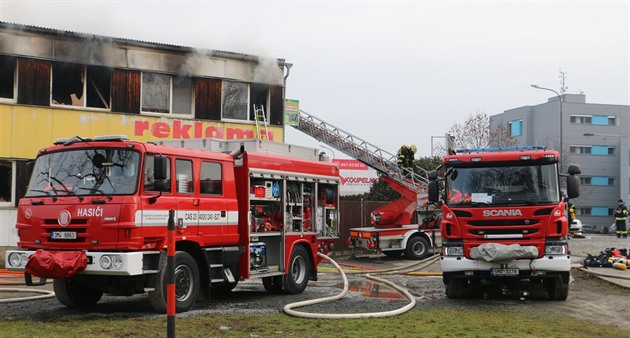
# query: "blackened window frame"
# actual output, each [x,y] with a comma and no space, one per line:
[8,78]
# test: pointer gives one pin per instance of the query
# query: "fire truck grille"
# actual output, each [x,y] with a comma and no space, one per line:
[519,222]
[53,221]
[504,232]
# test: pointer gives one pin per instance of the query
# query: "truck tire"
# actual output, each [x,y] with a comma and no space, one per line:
[558,286]
[297,276]
[455,288]
[186,284]
[75,295]
[417,248]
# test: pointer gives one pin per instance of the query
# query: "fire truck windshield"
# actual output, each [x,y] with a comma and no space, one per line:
[503,185]
[84,172]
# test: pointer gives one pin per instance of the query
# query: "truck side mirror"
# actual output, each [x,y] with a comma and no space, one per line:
[573,186]
[433,193]
[160,168]
[574,169]
[432,175]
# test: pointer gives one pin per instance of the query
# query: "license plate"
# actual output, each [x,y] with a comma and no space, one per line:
[504,272]
[63,235]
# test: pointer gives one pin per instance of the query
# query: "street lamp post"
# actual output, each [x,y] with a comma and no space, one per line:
[559,102]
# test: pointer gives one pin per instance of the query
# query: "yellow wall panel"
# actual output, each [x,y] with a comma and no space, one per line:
[26,129]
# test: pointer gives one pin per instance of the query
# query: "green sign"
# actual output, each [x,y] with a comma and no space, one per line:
[291,112]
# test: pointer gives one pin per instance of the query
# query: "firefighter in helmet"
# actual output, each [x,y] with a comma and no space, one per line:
[621,216]
[411,153]
[402,156]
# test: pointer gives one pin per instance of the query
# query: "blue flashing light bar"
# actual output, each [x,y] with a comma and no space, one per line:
[481,150]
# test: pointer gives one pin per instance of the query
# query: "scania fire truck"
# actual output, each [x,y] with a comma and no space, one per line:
[504,218]
[95,218]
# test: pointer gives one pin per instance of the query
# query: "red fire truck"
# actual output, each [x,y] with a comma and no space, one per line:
[504,218]
[95,217]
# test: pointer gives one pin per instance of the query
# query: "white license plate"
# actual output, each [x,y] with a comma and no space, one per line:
[63,235]
[504,272]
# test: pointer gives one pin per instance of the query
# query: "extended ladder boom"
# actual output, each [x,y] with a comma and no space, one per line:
[369,154]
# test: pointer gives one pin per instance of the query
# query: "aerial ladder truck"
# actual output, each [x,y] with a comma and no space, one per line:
[391,233]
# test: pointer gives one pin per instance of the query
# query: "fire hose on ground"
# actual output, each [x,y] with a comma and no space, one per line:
[603,274]
[289,308]
[42,294]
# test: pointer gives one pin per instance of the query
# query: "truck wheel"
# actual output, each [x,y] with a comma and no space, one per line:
[455,288]
[75,295]
[186,284]
[417,248]
[298,272]
[393,254]
[558,287]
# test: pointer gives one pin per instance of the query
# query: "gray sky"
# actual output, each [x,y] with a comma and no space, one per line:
[390,72]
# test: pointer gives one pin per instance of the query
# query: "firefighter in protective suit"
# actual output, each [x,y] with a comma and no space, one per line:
[621,216]
[402,156]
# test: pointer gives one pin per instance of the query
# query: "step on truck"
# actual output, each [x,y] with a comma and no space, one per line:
[94,219]
[504,218]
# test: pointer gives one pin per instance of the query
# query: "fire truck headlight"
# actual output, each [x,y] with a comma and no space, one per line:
[561,249]
[117,262]
[106,262]
[453,251]
[17,259]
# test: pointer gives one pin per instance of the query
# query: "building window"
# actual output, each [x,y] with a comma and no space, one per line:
[156,93]
[581,119]
[8,66]
[594,150]
[600,120]
[234,100]
[81,86]
[601,211]
[6,182]
[166,94]
[210,179]
[595,211]
[597,180]
[182,95]
[258,97]
[602,150]
[515,128]
[580,150]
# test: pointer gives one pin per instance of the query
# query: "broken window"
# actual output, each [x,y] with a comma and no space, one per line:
[156,90]
[81,86]
[7,77]
[156,94]
[258,98]
[235,100]
[98,87]
[67,86]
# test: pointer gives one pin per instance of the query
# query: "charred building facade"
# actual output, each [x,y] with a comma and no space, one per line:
[58,84]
